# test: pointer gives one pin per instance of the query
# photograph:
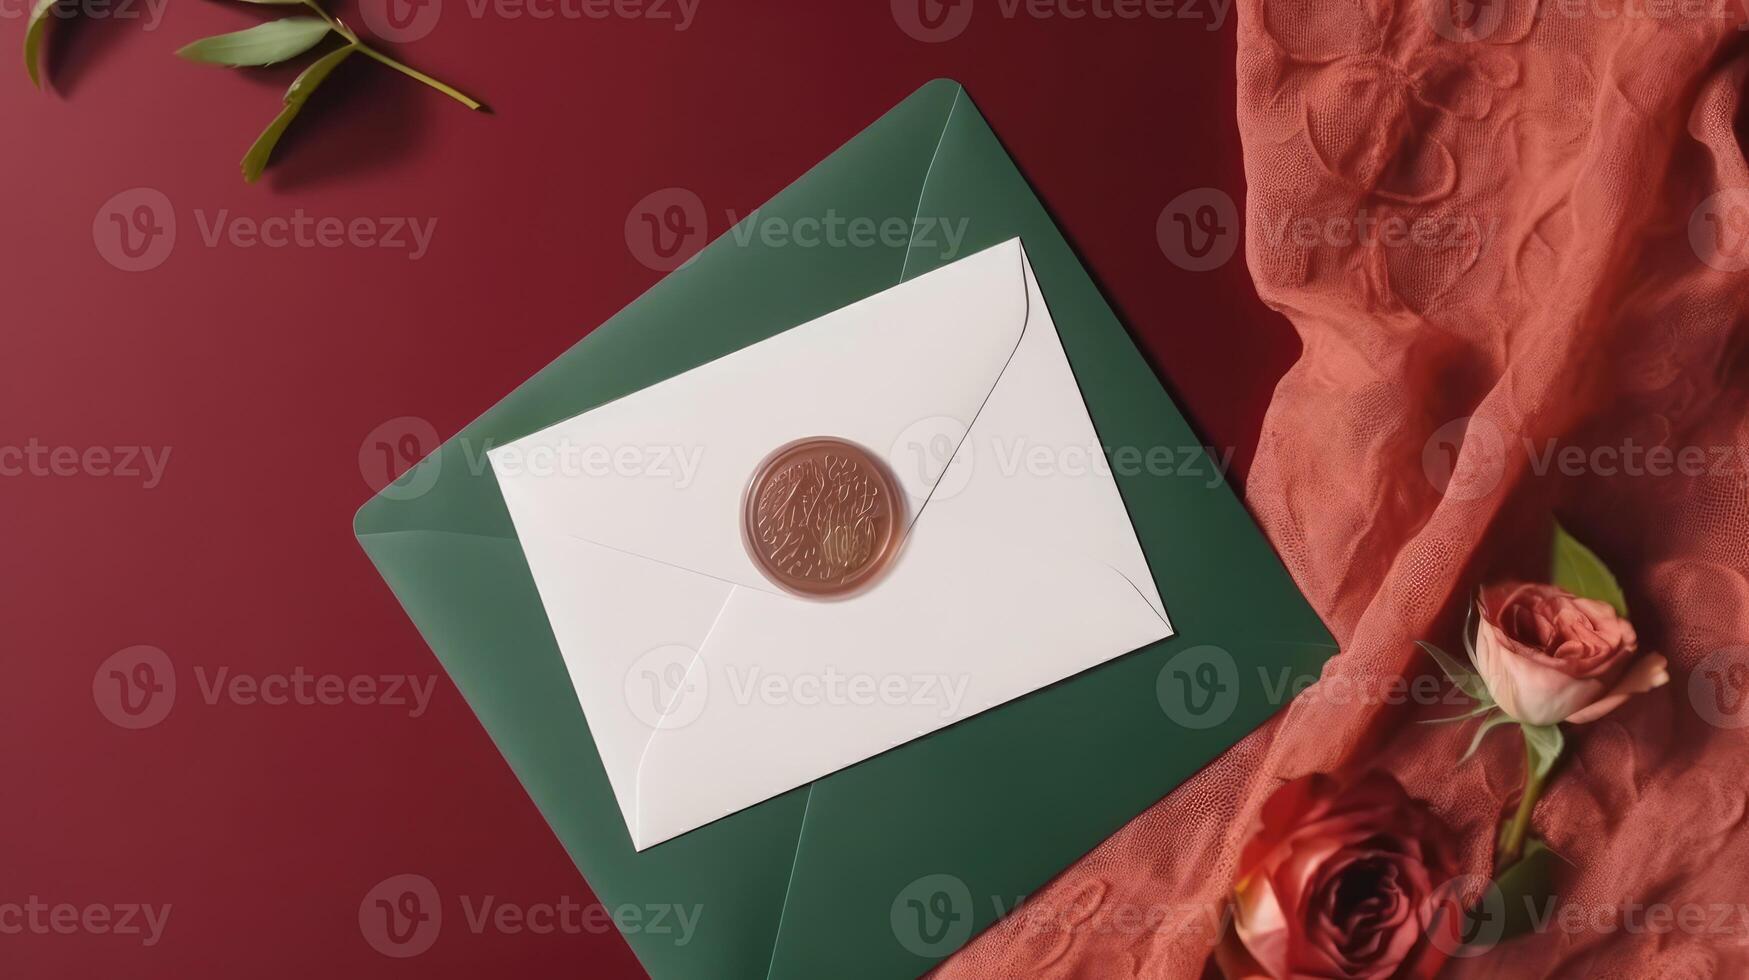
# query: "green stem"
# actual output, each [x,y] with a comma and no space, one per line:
[405,69]
[415,73]
[1512,840]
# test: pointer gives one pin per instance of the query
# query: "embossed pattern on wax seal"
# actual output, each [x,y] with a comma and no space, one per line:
[822,517]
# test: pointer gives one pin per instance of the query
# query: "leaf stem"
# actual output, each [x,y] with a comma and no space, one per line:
[1512,839]
[415,73]
[405,69]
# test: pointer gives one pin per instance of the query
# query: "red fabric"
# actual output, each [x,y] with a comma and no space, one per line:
[1583,295]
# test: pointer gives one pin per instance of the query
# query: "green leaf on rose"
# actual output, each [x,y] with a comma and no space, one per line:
[33,38]
[1526,892]
[263,44]
[1577,569]
[1492,722]
[1467,680]
[255,161]
[1543,743]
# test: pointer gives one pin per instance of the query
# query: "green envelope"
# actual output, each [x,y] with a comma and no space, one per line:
[883,868]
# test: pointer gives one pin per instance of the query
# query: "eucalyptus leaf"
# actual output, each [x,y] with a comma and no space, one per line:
[1577,569]
[33,38]
[1493,722]
[255,161]
[263,44]
[1467,680]
[1544,744]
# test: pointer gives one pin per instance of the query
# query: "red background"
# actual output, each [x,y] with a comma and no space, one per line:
[263,371]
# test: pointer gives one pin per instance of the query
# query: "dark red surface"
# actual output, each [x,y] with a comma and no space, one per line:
[264,370]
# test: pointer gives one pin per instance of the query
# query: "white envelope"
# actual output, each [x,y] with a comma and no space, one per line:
[707,688]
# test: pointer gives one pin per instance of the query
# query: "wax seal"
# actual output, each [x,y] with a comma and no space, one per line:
[822,517]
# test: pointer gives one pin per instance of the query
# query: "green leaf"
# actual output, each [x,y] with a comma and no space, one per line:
[1467,680]
[263,44]
[1528,890]
[1577,569]
[1493,722]
[1544,744]
[33,38]
[255,161]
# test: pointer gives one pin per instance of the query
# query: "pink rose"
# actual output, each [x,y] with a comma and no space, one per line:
[1549,656]
[1343,879]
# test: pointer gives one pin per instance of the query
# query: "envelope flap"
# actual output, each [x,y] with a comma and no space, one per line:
[661,473]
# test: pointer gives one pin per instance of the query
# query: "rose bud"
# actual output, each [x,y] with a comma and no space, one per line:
[1549,656]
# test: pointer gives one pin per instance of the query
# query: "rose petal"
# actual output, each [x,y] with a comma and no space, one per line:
[1260,924]
[1648,672]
